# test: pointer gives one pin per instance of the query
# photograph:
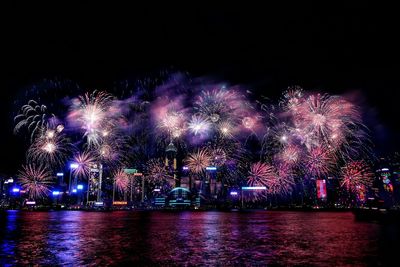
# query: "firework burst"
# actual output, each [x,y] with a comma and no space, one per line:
[319,161]
[32,117]
[36,180]
[198,161]
[94,113]
[199,124]
[259,174]
[173,123]
[290,154]
[292,99]
[84,161]
[157,173]
[282,182]
[121,181]
[326,119]
[50,148]
[356,175]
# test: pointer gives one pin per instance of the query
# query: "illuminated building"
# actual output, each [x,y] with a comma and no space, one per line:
[171,163]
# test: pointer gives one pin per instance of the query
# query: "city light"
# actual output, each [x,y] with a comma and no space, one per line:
[15,189]
[74,166]
[60,174]
[234,193]
[157,190]
[56,193]
[185,168]
[74,190]
[211,168]
[79,187]
[99,203]
[11,180]
[31,203]
[254,188]
[119,203]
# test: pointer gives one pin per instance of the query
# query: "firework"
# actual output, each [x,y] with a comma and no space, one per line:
[221,104]
[218,157]
[157,172]
[112,149]
[259,174]
[173,123]
[293,97]
[291,154]
[214,104]
[50,148]
[36,180]
[226,129]
[199,124]
[84,162]
[248,122]
[356,176]
[94,113]
[32,117]
[198,161]
[327,119]
[281,183]
[319,161]
[121,181]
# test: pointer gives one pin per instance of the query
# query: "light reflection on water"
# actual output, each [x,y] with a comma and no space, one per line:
[194,238]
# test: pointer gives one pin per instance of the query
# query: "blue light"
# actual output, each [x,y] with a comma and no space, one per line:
[254,188]
[59,174]
[79,187]
[185,168]
[74,166]
[74,190]
[15,190]
[56,193]
[211,168]
[234,193]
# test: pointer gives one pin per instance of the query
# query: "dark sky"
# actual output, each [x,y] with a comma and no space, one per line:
[346,47]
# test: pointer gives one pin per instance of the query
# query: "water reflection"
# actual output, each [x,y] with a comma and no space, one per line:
[194,238]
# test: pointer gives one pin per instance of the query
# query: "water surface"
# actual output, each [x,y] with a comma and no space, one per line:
[75,238]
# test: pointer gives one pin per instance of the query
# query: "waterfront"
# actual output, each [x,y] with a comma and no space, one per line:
[194,238]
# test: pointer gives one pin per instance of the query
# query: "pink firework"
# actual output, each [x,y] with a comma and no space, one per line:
[173,123]
[326,119]
[291,154]
[218,157]
[50,148]
[319,161]
[157,172]
[121,181]
[292,99]
[84,162]
[36,180]
[281,183]
[259,174]
[356,175]
[198,161]
[93,113]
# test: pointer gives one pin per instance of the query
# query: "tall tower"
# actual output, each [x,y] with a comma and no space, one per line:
[171,163]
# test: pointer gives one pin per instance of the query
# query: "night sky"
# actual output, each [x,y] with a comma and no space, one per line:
[348,48]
